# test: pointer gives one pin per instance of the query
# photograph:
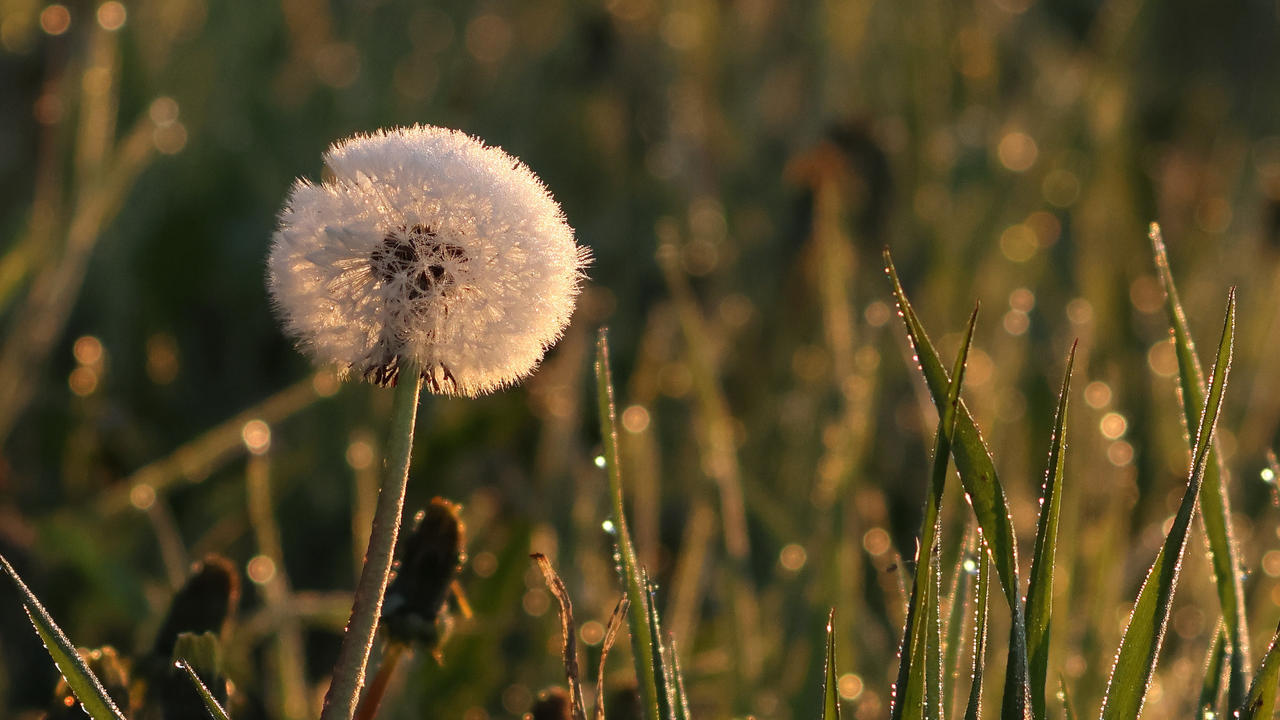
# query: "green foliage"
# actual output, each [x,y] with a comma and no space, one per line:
[973,709]
[736,169]
[1260,704]
[86,686]
[1140,647]
[1215,508]
[919,677]
[1040,586]
[830,683]
[215,710]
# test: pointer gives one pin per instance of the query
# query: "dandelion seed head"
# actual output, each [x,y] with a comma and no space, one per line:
[425,245]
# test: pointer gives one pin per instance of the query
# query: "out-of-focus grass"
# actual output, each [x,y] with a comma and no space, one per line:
[775,440]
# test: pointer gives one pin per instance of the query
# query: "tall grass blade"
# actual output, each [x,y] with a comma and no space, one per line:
[1040,587]
[662,670]
[915,671]
[1211,686]
[1140,646]
[973,459]
[986,497]
[642,645]
[1261,702]
[933,644]
[1215,507]
[830,694]
[1068,708]
[86,686]
[956,617]
[215,710]
[973,711]
[681,703]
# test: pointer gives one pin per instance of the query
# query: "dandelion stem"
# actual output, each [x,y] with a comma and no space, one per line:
[357,644]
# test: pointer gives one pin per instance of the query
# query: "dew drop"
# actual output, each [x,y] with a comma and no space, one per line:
[600,461]
[609,527]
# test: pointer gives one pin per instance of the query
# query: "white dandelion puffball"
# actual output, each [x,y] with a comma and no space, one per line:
[425,245]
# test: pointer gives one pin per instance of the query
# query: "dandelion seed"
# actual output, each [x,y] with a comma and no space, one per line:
[426,246]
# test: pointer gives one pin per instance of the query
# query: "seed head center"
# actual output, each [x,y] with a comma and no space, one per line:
[414,255]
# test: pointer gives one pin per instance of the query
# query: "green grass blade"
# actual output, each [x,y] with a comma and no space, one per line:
[662,670]
[215,710]
[1140,646]
[1261,702]
[86,686]
[1211,686]
[641,633]
[956,617]
[1068,708]
[933,647]
[973,459]
[1040,588]
[914,673]
[1215,507]
[681,705]
[830,696]
[973,711]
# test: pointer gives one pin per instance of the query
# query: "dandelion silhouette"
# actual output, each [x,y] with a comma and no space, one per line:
[425,245]
[431,258]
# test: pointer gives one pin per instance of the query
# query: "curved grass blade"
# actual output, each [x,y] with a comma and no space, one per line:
[1040,587]
[568,634]
[973,711]
[915,671]
[1140,645]
[641,633]
[1261,702]
[610,635]
[215,710]
[86,686]
[1215,507]
[986,497]
[1211,686]
[973,459]
[830,696]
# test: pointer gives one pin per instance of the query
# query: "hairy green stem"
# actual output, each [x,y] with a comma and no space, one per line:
[348,674]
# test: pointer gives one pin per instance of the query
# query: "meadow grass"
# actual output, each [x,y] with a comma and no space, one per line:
[769,452]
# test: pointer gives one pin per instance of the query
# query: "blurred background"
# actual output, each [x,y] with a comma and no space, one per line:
[736,168]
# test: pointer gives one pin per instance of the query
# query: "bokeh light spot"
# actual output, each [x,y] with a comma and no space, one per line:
[111,15]
[1113,425]
[1162,358]
[55,19]
[256,435]
[1017,151]
[360,455]
[876,541]
[792,557]
[87,350]
[850,686]
[1097,394]
[260,569]
[592,633]
[1019,243]
[142,496]
[635,419]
